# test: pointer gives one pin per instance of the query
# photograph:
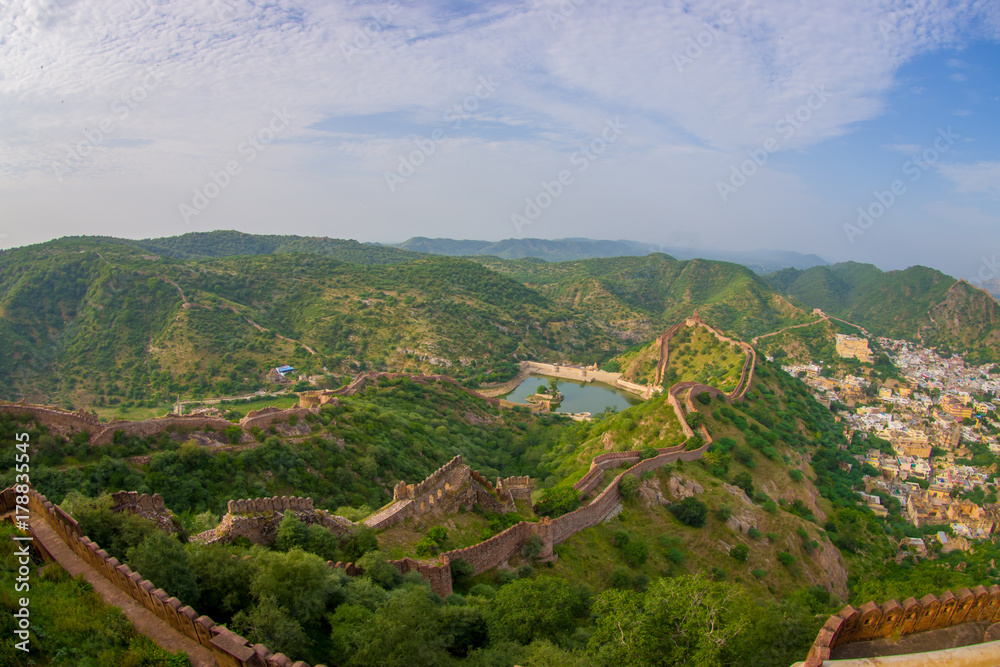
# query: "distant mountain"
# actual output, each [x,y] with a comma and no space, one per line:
[228,243]
[919,304]
[563,250]
[117,320]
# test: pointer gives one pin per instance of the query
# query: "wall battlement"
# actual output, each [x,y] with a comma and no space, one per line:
[228,648]
[893,618]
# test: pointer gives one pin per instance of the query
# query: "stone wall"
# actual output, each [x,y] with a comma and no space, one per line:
[257,519]
[498,549]
[519,487]
[103,433]
[453,484]
[265,417]
[230,649]
[50,416]
[893,618]
[146,506]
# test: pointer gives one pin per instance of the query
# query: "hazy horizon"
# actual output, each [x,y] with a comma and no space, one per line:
[856,132]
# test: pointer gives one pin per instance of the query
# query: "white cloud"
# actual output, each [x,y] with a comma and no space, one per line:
[698,83]
[977,178]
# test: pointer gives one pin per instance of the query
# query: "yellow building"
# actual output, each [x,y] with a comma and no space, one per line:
[955,408]
[852,346]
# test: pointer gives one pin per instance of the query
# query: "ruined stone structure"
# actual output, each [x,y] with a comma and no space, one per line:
[316,399]
[894,619]
[146,506]
[229,649]
[451,486]
[257,519]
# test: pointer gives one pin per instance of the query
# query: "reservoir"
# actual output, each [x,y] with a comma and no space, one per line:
[590,397]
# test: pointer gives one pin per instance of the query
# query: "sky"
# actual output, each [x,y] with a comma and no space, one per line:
[859,130]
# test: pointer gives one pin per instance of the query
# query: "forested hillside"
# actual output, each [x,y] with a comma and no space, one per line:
[918,304]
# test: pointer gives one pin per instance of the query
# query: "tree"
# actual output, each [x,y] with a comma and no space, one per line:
[271,624]
[529,609]
[408,630]
[740,552]
[686,620]
[690,511]
[291,533]
[223,581]
[161,559]
[298,581]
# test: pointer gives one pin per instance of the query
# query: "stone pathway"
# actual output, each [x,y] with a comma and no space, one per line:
[144,620]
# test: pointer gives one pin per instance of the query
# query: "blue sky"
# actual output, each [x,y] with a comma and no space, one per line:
[542,118]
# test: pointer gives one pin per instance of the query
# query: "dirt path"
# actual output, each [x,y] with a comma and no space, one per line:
[144,620]
[824,318]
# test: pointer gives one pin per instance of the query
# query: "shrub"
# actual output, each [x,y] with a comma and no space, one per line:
[772,537]
[649,453]
[621,578]
[745,482]
[461,572]
[426,547]
[690,511]
[629,486]
[740,552]
[718,574]
[636,552]
[438,534]
[795,474]
[234,434]
[758,573]
[771,506]
[621,537]
[556,502]
[754,534]
[723,513]
[786,558]
[532,547]
[704,398]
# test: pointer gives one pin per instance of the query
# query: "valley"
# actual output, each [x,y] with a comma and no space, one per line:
[388,472]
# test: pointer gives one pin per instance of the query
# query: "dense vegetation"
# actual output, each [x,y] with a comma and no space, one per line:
[918,304]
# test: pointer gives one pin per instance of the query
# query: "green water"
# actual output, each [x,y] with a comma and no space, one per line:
[590,397]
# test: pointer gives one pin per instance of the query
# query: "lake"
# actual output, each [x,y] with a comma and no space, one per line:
[590,397]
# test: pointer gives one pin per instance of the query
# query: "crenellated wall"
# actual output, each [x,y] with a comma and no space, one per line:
[893,619]
[452,485]
[257,519]
[229,649]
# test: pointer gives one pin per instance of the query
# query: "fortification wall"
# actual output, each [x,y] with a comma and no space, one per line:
[151,427]
[893,618]
[51,416]
[499,548]
[265,417]
[590,481]
[229,649]
[257,519]
[146,506]
[519,487]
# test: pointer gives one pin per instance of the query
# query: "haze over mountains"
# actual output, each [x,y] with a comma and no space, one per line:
[561,250]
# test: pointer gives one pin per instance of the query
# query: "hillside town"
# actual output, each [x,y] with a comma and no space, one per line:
[926,439]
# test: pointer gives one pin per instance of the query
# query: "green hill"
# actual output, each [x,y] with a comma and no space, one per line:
[918,304]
